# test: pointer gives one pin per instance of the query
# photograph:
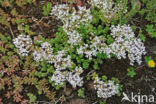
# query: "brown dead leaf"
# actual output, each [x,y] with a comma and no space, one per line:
[78,101]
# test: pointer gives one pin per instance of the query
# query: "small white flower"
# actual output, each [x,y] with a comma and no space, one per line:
[72,77]
[106,6]
[45,45]
[105,90]
[23,43]
[58,77]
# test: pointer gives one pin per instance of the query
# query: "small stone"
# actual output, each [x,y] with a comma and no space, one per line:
[68,91]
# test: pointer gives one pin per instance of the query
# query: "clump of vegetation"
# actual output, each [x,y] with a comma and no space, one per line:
[149,10]
[81,93]
[34,63]
[151,30]
[31,97]
[47,8]
[131,72]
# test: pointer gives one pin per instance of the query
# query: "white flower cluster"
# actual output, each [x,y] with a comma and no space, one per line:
[23,43]
[61,63]
[61,12]
[45,52]
[105,90]
[71,21]
[59,77]
[108,7]
[98,45]
[124,42]
[71,18]
[103,4]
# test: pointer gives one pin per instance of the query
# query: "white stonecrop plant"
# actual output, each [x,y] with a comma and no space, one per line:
[98,45]
[44,52]
[71,21]
[72,18]
[60,61]
[61,12]
[105,90]
[125,45]
[23,43]
[108,7]
[59,77]
[74,77]
[124,42]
